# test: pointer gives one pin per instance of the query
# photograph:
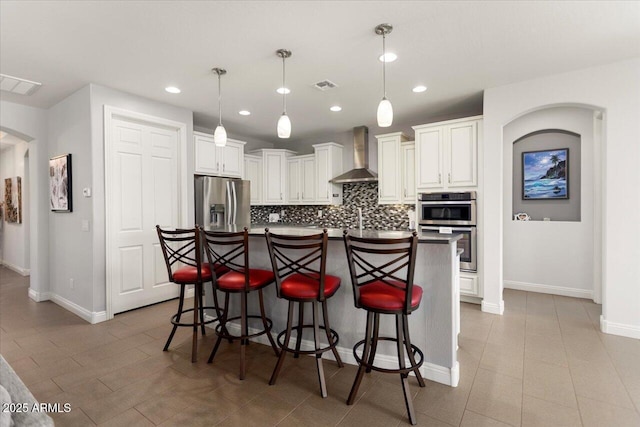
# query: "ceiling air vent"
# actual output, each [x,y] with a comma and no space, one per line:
[18,85]
[325,85]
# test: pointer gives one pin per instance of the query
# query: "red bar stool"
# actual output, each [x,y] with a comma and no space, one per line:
[182,255]
[382,277]
[299,263]
[230,250]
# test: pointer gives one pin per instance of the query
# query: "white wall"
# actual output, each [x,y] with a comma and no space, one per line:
[70,248]
[101,96]
[557,256]
[14,237]
[30,124]
[614,88]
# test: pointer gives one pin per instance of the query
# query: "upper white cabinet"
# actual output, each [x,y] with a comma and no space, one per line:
[274,175]
[219,161]
[447,153]
[302,179]
[253,173]
[408,156]
[396,169]
[328,158]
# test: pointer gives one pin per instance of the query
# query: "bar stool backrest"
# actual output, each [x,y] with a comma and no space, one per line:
[179,249]
[305,255]
[388,261]
[227,249]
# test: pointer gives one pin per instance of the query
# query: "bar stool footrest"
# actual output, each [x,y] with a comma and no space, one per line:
[416,351]
[174,318]
[228,335]
[334,338]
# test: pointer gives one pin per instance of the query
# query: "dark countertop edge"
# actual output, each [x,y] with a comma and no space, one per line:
[337,233]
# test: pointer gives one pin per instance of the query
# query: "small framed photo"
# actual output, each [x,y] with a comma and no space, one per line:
[545,174]
[60,191]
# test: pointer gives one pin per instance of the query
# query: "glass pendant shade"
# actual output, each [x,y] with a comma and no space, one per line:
[385,113]
[284,126]
[220,136]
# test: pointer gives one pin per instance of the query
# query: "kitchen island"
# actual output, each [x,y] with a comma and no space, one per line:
[434,325]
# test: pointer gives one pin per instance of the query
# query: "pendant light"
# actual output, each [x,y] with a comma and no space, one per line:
[385,109]
[220,134]
[284,124]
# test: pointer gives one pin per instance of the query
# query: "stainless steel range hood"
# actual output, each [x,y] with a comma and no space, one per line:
[361,171]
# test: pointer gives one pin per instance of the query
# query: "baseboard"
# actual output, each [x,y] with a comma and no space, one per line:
[21,271]
[492,308]
[83,313]
[548,289]
[39,296]
[430,371]
[621,329]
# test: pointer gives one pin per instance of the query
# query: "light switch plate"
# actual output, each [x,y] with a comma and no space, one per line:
[86,192]
[85,225]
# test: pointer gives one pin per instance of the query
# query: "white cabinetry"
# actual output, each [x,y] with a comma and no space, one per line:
[274,175]
[447,153]
[302,179]
[328,157]
[219,161]
[396,169]
[253,173]
[469,285]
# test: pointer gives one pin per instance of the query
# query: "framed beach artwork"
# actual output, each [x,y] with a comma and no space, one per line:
[545,174]
[60,193]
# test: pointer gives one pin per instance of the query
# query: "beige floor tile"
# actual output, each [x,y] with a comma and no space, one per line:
[496,396]
[549,382]
[136,371]
[130,418]
[507,360]
[599,381]
[472,419]
[75,418]
[44,390]
[261,411]
[545,348]
[442,402]
[598,414]
[542,413]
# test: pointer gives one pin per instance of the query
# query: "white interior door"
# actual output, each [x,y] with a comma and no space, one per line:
[143,190]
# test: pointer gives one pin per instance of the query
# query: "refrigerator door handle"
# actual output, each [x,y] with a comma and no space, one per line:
[235,203]
[229,202]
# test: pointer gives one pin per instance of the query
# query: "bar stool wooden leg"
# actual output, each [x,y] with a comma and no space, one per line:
[196,312]
[316,339]
[365,357]
[408,401]
[374,340]
[299,333]
[173,331]
[327,327]
[223,323]
[412,358]
[287,338]
[266,325]
[244,327]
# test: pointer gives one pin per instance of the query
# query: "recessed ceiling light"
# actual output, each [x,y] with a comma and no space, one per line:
[244,112]
[283,90]
[419,89]
[388,57]
[172,89]
[336,108]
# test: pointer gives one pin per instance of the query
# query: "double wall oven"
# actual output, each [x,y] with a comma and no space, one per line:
[452,213]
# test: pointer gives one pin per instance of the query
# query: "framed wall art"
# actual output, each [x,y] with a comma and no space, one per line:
[545,174]
[13,199]
[60,191]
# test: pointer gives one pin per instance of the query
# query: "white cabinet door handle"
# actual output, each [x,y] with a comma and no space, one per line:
[223,166]
[218,166]
[439,178]
[449,177]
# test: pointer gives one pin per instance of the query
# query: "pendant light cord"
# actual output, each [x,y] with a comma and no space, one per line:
[384,63]
[284,89]
[219,102]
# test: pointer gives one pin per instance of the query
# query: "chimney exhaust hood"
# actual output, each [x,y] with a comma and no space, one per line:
[361,171]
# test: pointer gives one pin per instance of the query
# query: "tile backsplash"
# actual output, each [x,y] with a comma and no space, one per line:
[357,195]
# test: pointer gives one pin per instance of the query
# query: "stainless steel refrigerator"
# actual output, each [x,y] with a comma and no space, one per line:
[222,201]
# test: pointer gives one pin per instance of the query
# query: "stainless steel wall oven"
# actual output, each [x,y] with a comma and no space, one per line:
[452,213]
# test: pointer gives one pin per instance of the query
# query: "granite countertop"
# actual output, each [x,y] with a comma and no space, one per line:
[336,233]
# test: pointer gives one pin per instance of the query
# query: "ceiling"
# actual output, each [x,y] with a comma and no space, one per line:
[456,48]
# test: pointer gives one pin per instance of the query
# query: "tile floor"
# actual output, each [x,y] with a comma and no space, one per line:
[543,363]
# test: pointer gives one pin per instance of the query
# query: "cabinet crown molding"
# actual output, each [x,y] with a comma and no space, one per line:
[327,144]
[402,135]
[447,122]
[210,135]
